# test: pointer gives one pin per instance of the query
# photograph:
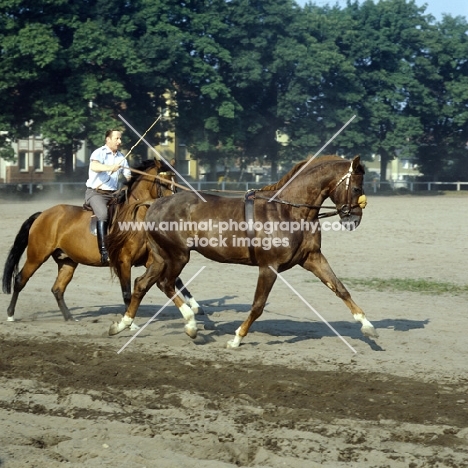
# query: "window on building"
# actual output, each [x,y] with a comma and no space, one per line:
[182,152]
[23,161]
[38,161]
[183,167]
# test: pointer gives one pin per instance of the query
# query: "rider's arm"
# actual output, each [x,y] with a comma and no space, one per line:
[126,170]
[96,166]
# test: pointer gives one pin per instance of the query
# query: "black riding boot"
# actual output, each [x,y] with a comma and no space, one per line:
[101,229]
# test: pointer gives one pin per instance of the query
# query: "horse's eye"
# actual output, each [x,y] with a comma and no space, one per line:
[357,190]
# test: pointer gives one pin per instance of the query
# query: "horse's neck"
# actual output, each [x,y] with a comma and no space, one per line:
[142,189]
[311,188]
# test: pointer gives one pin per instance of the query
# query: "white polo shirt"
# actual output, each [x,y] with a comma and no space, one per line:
[106,180]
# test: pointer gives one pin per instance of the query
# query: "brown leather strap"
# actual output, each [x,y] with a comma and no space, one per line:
[249,216]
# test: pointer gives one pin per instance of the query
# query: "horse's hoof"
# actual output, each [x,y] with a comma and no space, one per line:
[114,329]
[117,327]
[191,331]
[134,327]
[370,332]
[235,342]
[72,319]
[11,319]
[121,325]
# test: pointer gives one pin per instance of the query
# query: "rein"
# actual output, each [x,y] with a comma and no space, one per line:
[345,209]
[161,179]
[305,205]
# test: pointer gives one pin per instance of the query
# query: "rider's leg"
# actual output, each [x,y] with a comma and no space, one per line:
[98,202]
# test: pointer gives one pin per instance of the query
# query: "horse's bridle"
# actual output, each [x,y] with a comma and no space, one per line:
[344,210]
[166,183]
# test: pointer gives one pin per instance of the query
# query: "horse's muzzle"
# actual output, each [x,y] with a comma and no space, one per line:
[350,222]
[350,218]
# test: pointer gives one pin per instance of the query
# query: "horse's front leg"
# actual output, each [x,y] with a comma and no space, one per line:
[124,274]
[265,282]
[319,266]
[141,287]
[126,287]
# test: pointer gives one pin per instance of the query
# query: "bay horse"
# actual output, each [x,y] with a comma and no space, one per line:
[63,232]
[284,214]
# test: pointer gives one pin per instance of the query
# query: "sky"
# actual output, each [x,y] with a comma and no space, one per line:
[435,7]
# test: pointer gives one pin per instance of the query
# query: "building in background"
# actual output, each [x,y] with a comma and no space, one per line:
[173,149]
[400,171]
[30,164]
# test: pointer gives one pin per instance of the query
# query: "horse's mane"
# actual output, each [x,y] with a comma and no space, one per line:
[297,167]
[144,166]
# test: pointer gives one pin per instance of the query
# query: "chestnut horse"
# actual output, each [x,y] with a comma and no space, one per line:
[63,232]
[278,236]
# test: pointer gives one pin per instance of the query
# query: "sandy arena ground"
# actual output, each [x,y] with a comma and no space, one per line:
[293,395]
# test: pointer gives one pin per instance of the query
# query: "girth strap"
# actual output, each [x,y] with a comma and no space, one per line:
[249,198]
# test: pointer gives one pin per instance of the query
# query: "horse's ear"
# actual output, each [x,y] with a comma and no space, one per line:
[356,162]
[157,163]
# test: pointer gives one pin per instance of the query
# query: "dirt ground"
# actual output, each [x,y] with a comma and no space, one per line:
[293,395]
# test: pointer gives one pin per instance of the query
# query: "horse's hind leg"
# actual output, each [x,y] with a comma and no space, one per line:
[189,299]
[66,270]
[318,265]
[17,288]
[266,280]
[21,280]
[167,285]
[167,278]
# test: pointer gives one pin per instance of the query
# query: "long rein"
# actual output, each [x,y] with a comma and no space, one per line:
[304,205]
[283,202]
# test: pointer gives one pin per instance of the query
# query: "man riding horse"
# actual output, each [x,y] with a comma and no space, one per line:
[106,164]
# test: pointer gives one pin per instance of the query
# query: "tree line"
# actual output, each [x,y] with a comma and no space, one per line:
[239,71]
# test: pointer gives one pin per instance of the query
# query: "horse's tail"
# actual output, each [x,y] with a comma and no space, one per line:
[10,270]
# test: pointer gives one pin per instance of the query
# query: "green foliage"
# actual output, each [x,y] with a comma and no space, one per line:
[7,153]
[422,286]
[240,70]
[442,147]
